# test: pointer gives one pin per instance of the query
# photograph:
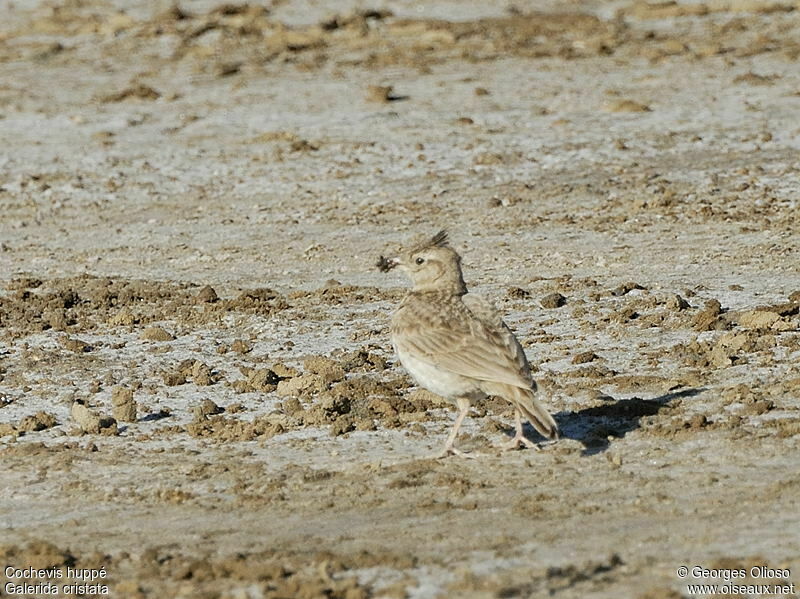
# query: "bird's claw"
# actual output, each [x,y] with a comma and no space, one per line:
[450,450]
[517,441]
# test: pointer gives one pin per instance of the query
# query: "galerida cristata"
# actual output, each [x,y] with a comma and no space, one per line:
[455,344]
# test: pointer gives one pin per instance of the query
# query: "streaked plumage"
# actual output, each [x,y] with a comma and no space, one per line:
[456,345]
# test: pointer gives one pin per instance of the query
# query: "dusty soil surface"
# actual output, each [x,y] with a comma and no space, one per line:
[197,390]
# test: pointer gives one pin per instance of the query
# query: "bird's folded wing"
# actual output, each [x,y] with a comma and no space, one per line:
[476,343]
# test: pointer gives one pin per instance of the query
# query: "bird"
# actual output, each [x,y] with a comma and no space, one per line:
[456,345]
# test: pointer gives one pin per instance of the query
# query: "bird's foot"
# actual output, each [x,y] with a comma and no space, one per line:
[450,450]
[519,440]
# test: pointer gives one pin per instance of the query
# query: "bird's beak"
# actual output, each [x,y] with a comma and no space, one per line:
[387,264]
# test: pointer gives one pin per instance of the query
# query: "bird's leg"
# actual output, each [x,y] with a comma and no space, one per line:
[449,448]
[519,437]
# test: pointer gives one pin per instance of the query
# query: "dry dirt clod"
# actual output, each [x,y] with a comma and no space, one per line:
[138,91]
[379,93]
[122,318]
[292,406]
[241,347]
[709,318]
[173,379]
[7,429]
[676,303]
[91,422]
[625,288]
[584,357]
[123,404]
[330,370]
[76,345]
[552,187]
[757,319]
[283,371]
[202,374]
[382,94]
[627,106]
[205,409]
[262,379]
[156,334]
[226,69]
[36,422]
[517,293]
[304,385]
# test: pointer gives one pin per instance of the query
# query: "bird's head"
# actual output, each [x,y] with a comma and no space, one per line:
[432,266]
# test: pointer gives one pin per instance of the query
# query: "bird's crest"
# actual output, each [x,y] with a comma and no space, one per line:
[437,241]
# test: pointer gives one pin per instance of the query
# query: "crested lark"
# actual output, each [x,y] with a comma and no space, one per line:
[456,345]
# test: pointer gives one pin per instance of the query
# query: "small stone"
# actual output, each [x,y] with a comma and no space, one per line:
[206,295]
[553,300]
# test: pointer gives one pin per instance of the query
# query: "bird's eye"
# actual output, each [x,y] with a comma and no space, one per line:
[420,260]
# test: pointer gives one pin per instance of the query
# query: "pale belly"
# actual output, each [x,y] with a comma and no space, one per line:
[436,380]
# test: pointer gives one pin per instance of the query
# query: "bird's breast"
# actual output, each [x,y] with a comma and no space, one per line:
[435,379]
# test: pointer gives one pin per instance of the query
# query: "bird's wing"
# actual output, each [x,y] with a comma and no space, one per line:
[469,339]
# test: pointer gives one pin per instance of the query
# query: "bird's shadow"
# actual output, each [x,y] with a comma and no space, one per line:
[593,426]
[161,414]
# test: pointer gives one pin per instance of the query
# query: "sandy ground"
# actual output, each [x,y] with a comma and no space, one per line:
[197,389]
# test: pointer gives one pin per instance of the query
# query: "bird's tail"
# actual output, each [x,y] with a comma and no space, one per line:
[534,411]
